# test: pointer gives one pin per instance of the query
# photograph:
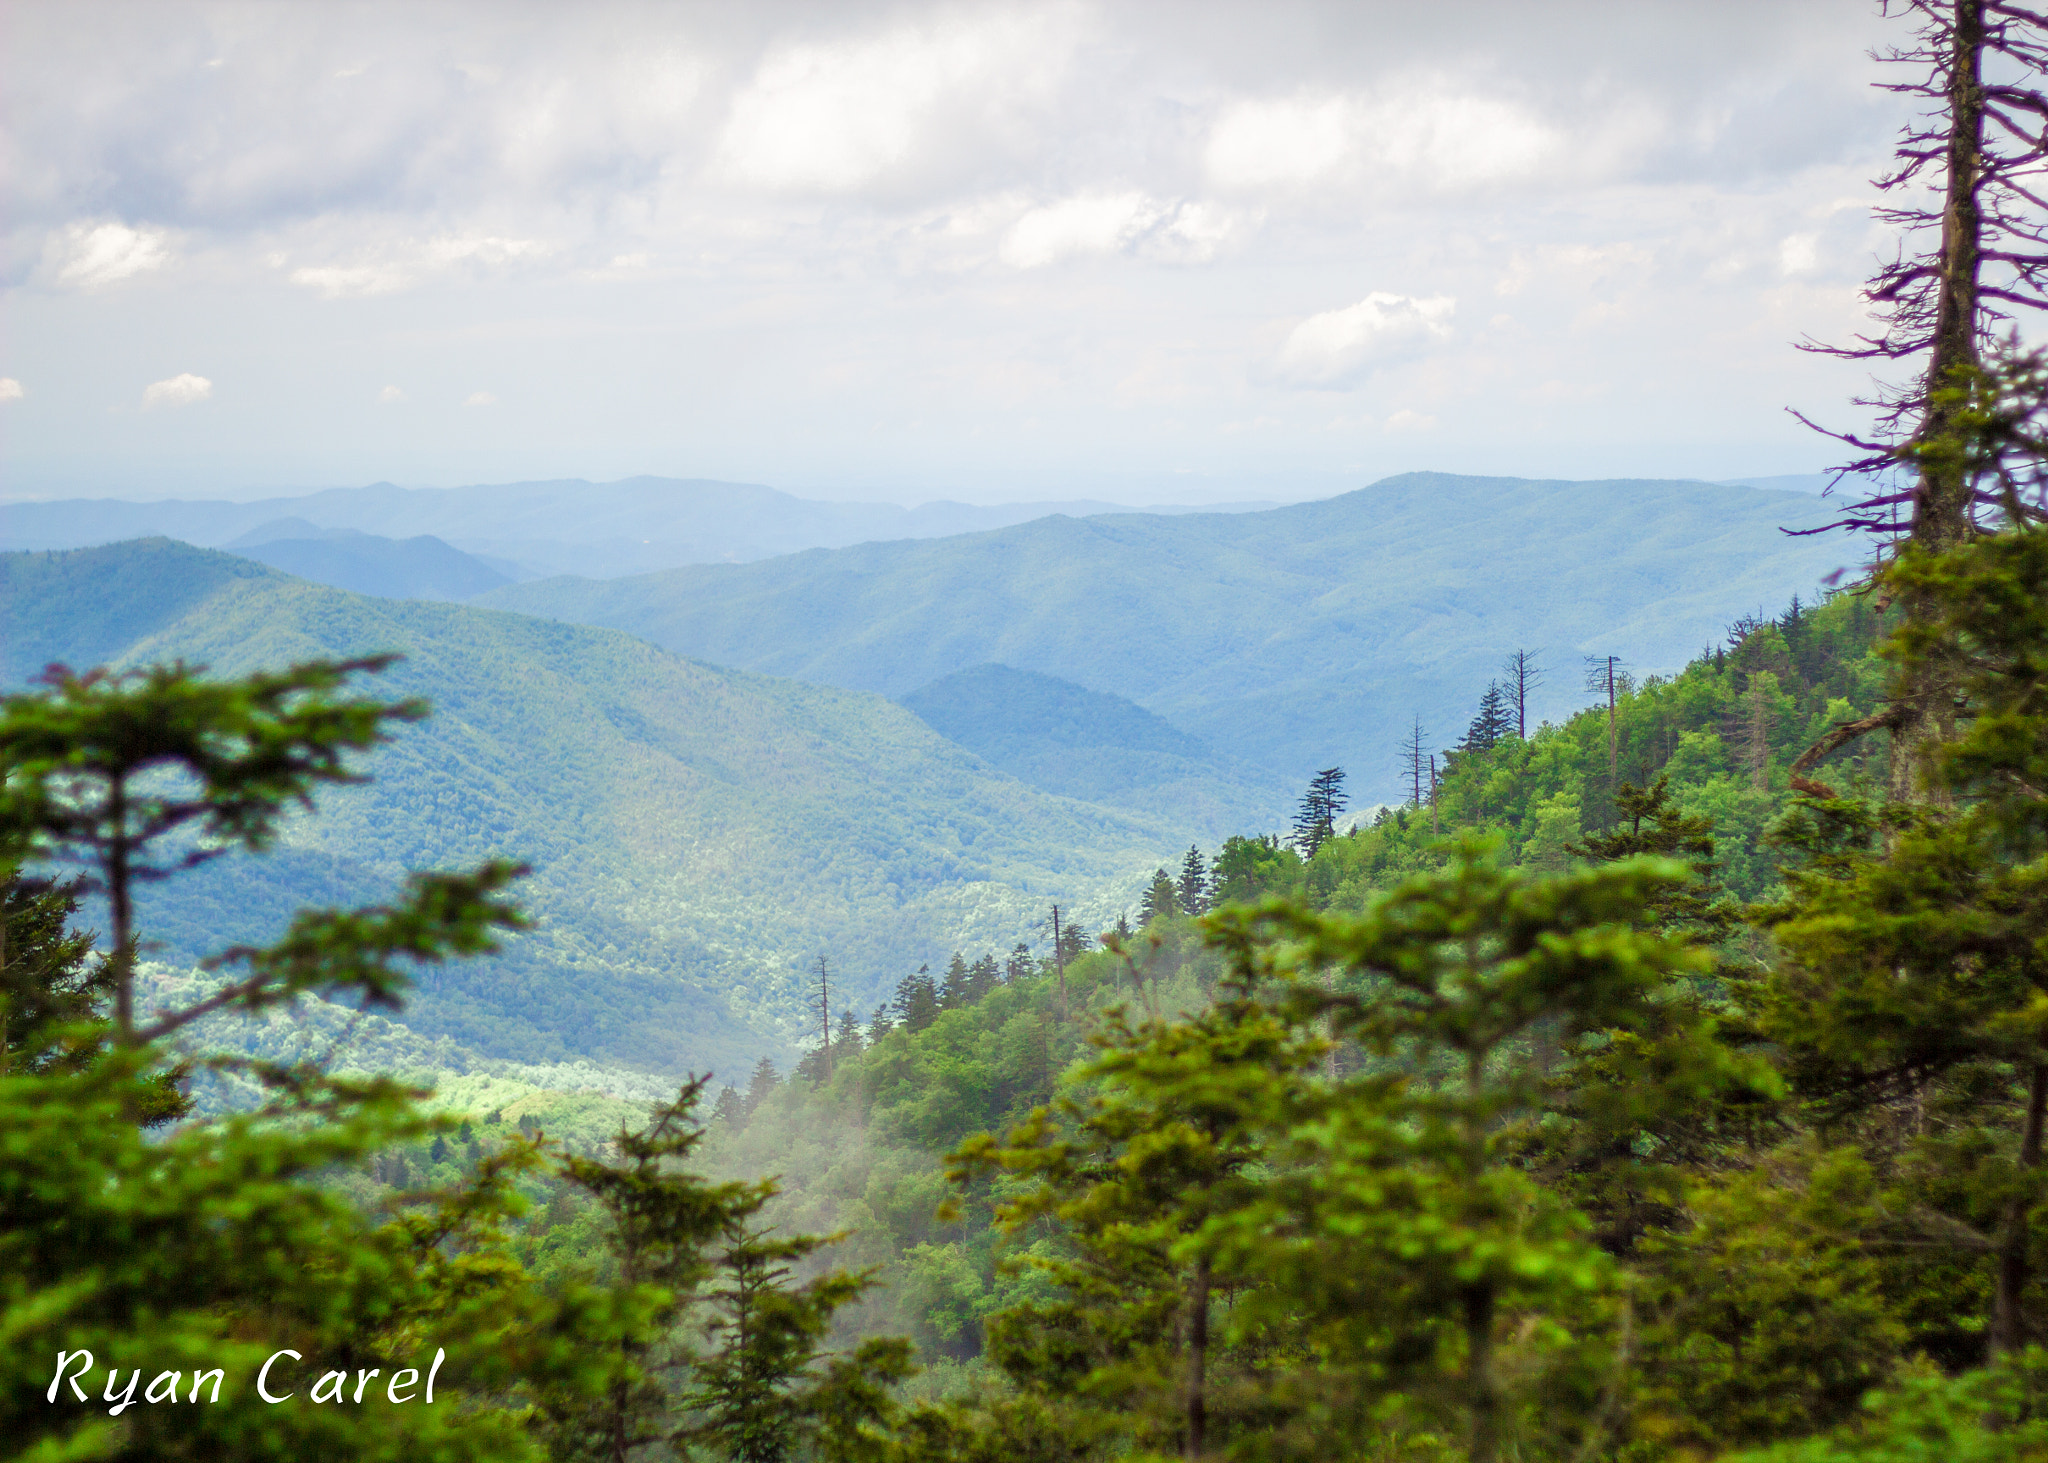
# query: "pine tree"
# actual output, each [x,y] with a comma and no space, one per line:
[917,1001]
[1493,721]
[1192,888]
[731,1108]
[1316,822]
[879,1024]
[982,977]
[1020,965]
[761,1086]
[953,989]
[1160,901]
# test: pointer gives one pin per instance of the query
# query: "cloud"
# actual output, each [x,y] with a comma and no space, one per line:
[338,281]
[1110,223]
[180,390]
[93,256]
[390,395]
[1097,225]
[409,263]
[893,107]
[10,389]
[1340,348]
[480,398]
[1419,132]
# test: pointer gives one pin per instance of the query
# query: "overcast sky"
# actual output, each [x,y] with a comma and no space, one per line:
[1142,251]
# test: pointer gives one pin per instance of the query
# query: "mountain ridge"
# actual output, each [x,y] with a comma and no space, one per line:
[1292,637]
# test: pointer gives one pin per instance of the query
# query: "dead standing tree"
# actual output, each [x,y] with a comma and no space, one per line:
[1519,676]
[1967,196]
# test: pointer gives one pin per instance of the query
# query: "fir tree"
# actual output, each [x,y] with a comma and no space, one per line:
[1160,901]
[1494,720]
[1316,821]
[953,988]
[1192,888]
[917,1001]
[761,1086]
[1020,965]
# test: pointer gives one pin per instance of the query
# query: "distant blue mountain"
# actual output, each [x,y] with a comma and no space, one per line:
[1099,747]
[365,563]
[527,530]
[1296,637]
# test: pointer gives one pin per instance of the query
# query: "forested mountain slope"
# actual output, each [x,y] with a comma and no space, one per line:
[1297,637]
[864,1150]
[1101,748]
[697,835]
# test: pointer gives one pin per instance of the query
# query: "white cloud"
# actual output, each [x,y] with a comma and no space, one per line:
[836,118]
[180,390]
[338,281]
[1089,225]
[390,395]
[1340,348]
[1110,223]
[92,256]
[1799,253]
[1410,421]
[410,262]
[1420,132]
[10,389]
[480,398]
[1293,140]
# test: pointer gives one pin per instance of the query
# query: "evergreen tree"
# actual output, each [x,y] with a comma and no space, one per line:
[917,1001]
[982,977]
[1191,890]
[761,1086]
[1494,720]
[1160,901]
[731,1108]
[953,989]
[198,1251]
[1020,965]
[1316,821]
[879,1024]
[849,1044]
[766,1391]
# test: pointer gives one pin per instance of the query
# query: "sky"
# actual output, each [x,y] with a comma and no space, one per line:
[1154,252]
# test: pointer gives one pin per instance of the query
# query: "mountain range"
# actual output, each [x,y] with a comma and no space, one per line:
[534,529]
[1293,638]
[698,836]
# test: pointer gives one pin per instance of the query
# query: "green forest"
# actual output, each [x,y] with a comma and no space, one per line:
[1665,1083]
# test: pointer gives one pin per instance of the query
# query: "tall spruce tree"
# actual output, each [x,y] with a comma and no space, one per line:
[1316,820]
[1191,890]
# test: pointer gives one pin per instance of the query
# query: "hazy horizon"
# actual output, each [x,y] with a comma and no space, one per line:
[904,253]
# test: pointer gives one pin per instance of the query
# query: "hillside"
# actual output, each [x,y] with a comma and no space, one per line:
[698,835]
[423,567]
[557,527]
[1294,637]
[1101,748]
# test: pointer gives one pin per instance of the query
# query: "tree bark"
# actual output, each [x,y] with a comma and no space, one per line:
[1479,1376]
[1925,712]
[2008,1318]
[1198,1361]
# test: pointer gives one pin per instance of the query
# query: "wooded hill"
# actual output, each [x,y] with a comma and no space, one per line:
[697,835]
[1293,637]
[864,1151]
